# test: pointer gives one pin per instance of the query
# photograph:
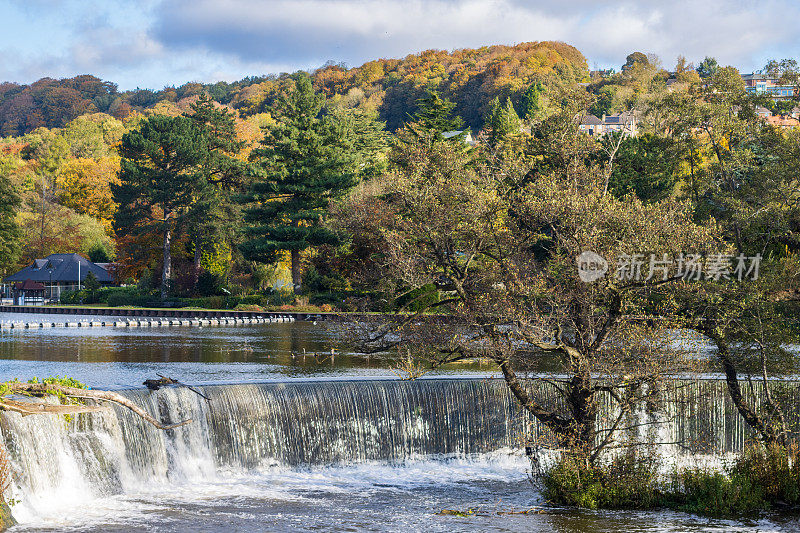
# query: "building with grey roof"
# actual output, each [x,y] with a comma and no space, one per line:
[58,273]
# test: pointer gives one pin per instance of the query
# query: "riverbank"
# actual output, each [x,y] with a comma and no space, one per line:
[152,312]
[118,322]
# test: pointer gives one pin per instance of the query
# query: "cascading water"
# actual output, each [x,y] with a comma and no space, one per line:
[254,425]
[305,423]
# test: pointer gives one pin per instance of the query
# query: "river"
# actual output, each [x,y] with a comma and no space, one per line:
[292,440]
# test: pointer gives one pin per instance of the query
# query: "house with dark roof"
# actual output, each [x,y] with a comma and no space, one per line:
[56,273]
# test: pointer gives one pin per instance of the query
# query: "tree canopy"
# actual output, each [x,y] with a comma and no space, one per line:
[304,162]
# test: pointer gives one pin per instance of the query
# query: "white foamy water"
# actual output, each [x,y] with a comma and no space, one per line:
[373,496]
[227,493]
[374,455]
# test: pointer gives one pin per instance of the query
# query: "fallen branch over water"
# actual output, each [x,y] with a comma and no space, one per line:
[52,389]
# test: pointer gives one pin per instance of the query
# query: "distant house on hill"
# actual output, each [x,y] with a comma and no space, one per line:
[467,136]
[789,120]
[767,85]
[763,112]
[591,125]
[55,274]
[624,122]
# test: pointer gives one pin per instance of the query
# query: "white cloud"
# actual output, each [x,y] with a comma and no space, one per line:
[305,31]
[159,42]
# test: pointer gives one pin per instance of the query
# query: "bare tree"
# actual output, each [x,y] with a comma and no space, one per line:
[492,245]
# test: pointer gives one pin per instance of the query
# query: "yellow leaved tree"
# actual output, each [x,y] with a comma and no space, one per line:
[84,185]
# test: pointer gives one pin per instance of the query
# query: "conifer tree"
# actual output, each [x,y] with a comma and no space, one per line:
[10,233]
[434,117]
[368,138]
[160,176]
[502,121]
[303,164]
[213,213]
[532,100]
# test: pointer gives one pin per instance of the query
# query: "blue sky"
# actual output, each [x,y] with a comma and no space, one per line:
[154,43]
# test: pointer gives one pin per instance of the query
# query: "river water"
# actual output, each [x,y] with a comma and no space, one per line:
[296,441]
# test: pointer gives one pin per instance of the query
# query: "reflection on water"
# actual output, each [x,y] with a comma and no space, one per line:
[210,344]
[123,358]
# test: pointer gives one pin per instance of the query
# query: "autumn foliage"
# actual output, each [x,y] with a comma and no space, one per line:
[470,77]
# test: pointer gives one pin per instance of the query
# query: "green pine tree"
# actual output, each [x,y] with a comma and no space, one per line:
[214,215]
[502,122]
[368,137]
[91,283]
[10,233]
[160,177]
[434,117]
[532,100]
[304,163]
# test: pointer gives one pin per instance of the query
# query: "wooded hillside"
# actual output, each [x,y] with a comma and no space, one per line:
[470,77]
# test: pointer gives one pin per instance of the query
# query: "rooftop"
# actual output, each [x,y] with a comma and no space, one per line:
[61,268]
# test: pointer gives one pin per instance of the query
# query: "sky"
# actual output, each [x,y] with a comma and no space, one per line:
[157,43]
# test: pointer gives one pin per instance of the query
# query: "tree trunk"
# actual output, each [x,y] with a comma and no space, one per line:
[580,399]
[166,270]
[575,433]
[196,265]
[751,417]
[296,275]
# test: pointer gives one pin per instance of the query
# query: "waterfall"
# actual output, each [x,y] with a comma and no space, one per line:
[306,423]
[248,426]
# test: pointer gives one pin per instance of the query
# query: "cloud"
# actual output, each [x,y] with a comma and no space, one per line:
[106,47]
[311,31]
[160,42]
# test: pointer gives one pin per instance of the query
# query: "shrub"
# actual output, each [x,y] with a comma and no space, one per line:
[715,494]
[73,297]
[124,296]
[260,300]
[760,479]
[210,284]
[249,307]
[316,282]
[627,482]
[774,469]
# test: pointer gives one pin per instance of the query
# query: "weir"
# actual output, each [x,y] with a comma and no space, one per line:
[307,423]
